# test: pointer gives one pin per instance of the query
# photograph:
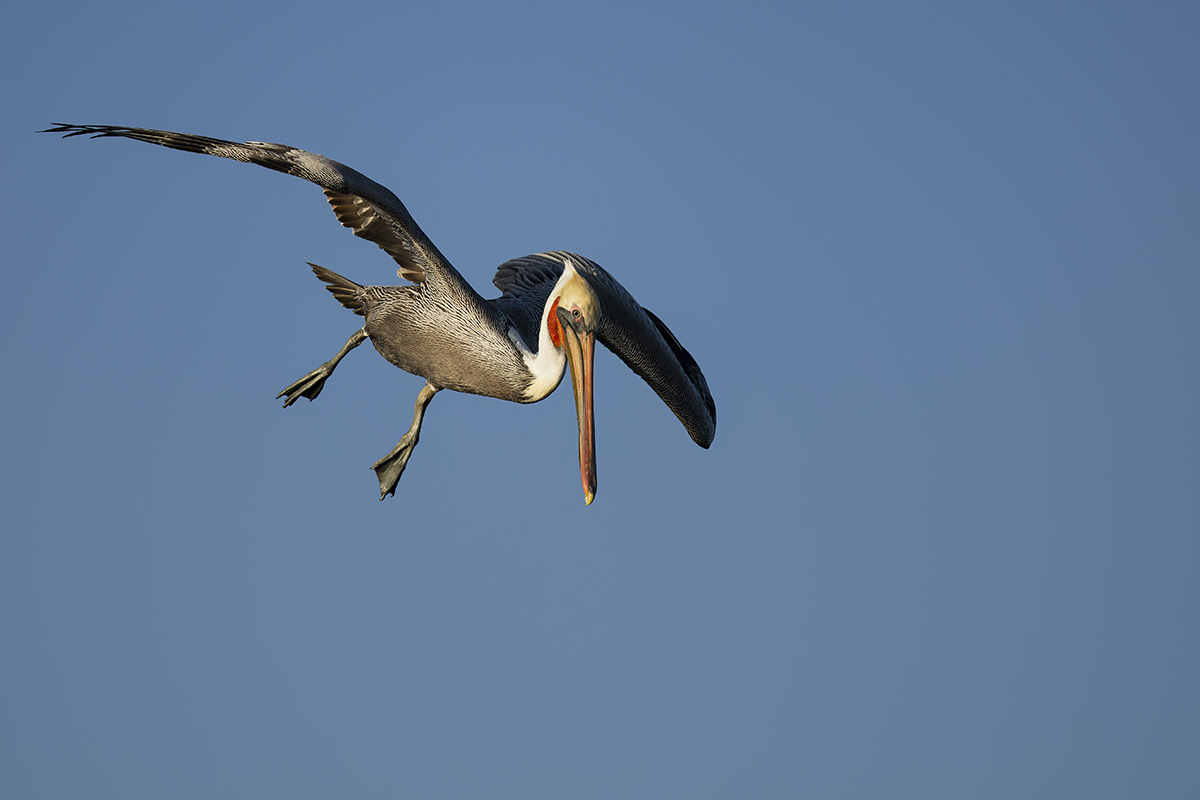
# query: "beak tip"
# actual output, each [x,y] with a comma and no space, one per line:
[588,497]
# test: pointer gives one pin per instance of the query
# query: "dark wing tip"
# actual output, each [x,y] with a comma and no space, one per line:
[64,129]
[96,131]
[705,434]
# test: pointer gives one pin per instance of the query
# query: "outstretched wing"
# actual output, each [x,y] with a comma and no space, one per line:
[370,210]
[634,334]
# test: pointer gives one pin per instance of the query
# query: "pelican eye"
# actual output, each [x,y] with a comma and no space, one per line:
[576,313]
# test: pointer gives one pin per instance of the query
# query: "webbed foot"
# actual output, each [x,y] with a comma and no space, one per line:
[311,384]
[389,468]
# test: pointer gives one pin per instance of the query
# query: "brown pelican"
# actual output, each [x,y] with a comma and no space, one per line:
[553,308]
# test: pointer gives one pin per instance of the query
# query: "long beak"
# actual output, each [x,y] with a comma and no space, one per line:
[580,352]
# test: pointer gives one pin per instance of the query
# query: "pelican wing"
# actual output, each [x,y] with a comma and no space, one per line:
[634,334]
[370,210]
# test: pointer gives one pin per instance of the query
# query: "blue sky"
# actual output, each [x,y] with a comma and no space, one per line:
[938,262]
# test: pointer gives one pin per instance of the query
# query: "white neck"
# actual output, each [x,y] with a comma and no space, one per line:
[549,363]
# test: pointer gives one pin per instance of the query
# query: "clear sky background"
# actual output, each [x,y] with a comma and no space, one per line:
[940,265]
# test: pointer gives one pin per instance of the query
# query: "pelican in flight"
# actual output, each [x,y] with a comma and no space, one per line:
[552,309]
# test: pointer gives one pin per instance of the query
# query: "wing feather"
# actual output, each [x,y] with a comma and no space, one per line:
[371,224]
[369,209]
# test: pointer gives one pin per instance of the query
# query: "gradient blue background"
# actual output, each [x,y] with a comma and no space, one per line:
[939,262]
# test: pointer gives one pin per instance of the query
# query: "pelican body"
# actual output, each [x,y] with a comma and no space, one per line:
[553,308]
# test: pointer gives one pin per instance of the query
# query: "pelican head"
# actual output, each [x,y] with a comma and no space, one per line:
[573,319]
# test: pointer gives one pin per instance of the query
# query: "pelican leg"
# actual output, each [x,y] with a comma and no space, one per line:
[311,384]
[389,468]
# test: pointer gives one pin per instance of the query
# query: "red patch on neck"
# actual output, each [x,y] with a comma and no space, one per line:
[552,324]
